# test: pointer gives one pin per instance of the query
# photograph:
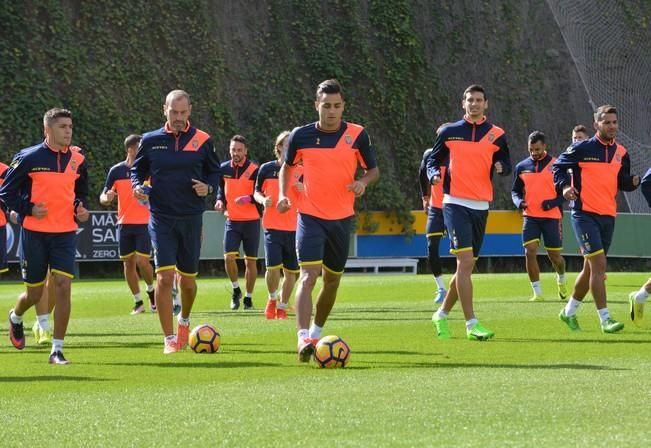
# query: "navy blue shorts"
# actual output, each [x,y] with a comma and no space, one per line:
[435,222]
[323,241]
[40,250]
[133,239]
[593,232]
[466,228]
[551,230]
[3,249]
[177,242]
[245,232]
[280,249]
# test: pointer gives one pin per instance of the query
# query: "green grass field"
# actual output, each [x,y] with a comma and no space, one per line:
[535,384]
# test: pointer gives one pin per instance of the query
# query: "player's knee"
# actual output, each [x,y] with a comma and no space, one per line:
[598,266]
[531,250]
[130,263]
[143,263]
[187,282]
[309,277]
[61,281]
[331,281]
[165,278]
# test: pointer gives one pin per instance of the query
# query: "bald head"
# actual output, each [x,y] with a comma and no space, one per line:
[175,95]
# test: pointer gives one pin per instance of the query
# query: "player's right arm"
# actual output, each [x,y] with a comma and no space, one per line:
[11,192]
[423,181]
[108,194]
[440,153]
[285,173]
[140,171]
[568,160]
[258,194]
[517,189]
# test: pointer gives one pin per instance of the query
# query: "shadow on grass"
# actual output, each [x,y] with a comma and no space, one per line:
[395,352]
[29,379]
[382,310]
[376,319]
[230,351]
[118,345]
[218,364]
[247,313]
[111,335]
[604,340]
[444,365]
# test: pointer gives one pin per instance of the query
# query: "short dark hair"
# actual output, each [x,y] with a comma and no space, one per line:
[55,113]
[536,136]
[580,128]
[329,86]
[474,88]
[132,140]
[239,138]
[603,110]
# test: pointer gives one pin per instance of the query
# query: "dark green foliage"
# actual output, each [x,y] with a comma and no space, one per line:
[252,68]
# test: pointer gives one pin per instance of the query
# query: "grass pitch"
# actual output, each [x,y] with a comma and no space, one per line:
[535,384]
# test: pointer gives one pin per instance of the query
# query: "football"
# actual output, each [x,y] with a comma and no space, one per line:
[204,338]
[331,352]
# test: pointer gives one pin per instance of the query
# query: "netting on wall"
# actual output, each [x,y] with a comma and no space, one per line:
[610,44]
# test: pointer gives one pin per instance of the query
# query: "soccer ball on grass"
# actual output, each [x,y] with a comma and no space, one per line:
[331,352]
[204,338]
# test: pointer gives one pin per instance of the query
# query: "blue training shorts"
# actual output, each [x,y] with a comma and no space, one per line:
[177,242]
[466,228]
[41,249]
[435,222]
[133,239]
[323,241]
[280,249]
[245,232]
[551,230]
[593,232]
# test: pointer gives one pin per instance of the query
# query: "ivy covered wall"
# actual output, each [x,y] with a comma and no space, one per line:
[252,68]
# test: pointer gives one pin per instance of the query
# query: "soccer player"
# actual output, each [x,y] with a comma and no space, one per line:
[235,199]
[533,193]
[279,230]
[331,150]
[471,148]
[133,238]
[579,133]
[589,174]
[432,197]
[637,299]
[181,162]
[47,185]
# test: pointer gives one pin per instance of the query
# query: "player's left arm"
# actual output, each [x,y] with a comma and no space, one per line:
[625,181]
[368,162]
[211,170]
[502,157]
